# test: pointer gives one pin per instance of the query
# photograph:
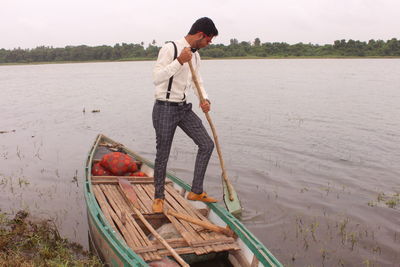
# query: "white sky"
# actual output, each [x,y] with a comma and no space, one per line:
[58,23]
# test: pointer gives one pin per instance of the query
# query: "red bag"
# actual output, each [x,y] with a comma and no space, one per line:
[118,163]
[140,174]
[98,170]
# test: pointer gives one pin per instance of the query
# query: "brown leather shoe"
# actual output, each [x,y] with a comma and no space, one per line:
[158,205]
[201,197]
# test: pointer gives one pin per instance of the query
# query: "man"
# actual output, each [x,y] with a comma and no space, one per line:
[173,79]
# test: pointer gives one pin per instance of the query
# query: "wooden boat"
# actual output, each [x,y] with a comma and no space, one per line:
[119,236]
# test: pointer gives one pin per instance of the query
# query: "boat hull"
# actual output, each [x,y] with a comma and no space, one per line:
[111,247]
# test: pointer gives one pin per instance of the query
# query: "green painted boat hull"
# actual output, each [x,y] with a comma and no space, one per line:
[113,249]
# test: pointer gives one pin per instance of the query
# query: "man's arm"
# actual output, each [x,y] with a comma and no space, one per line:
[165,66]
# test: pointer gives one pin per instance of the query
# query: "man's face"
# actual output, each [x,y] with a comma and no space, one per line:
[204,40]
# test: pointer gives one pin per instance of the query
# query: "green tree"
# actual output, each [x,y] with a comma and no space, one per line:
[233,41]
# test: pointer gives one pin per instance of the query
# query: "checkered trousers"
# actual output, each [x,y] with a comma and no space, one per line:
[165,121]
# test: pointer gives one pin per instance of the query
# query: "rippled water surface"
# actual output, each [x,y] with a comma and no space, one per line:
[311,146]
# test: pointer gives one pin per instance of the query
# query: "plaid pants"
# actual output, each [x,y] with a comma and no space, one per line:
[165,121]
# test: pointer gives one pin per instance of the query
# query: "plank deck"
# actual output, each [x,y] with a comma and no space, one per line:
[194,238]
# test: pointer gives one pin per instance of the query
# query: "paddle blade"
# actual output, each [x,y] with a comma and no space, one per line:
[129,192]
[233,206]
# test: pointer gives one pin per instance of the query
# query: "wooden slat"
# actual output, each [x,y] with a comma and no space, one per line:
[200,240]
[186,250]
[119,208]
[104,206]
[191,211]
[132,179]
[131,233]
[188,235]
[128,192]
[121,202]
[152,216]
[219,240]
[195,229]
[144,198]
[173,242]
[113,218]
[143,208]
[179,205]
[136,231]
[203,223]
[207,240]
[160,216]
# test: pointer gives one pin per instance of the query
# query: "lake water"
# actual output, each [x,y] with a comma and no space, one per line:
[312,147]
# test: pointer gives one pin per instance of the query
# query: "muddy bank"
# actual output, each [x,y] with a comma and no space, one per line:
[28,242]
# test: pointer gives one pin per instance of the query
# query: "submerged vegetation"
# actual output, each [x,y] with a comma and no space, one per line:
[390,201]
[236,49]
[27,243]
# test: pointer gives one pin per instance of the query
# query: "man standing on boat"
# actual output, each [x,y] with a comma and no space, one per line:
[173,79]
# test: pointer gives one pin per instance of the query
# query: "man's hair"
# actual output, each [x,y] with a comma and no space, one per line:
[205,25]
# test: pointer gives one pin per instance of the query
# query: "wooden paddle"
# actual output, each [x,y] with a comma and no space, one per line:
[232,202]
[201,223]
[130,196]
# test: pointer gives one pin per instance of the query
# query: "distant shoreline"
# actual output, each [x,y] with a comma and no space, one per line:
[204,58]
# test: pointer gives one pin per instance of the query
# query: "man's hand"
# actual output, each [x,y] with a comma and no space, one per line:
[185,56]
[205,106]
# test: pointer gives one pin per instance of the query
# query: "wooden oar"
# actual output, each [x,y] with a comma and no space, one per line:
[204,224]
[231,199]
[130,196]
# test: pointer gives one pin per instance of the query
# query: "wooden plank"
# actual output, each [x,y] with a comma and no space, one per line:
[123,202]
[202,223]
[144,198]
[131,232]
[187,250]
[129,194]
[176,201]
[218,242]
[193,229]
[187,235]
[173,242]
[136,232]
[118,208]
[103,205]
[176,242]
[132,179]
[186,205]
[140,204]
[114,190]
[112,218]
[210,238]
[152,216]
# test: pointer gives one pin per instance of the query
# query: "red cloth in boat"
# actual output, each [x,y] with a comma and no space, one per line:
[118,163]
[140,174]
[98,170]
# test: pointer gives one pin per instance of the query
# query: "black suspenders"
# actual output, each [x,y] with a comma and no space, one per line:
[172,77]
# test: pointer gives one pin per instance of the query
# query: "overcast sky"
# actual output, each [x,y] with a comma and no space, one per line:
[58,23]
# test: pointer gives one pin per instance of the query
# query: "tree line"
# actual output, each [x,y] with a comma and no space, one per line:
[235,49]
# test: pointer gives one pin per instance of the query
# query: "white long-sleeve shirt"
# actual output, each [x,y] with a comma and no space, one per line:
[166,67]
